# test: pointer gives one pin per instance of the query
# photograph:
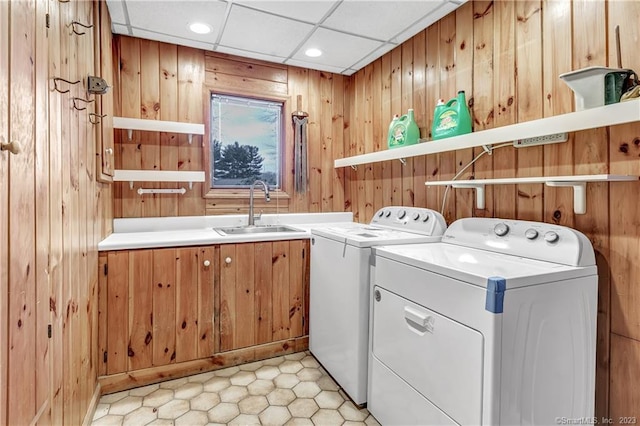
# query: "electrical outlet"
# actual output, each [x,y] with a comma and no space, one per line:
[541,140]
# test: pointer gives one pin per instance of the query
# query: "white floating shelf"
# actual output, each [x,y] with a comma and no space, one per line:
[157,176]
[132,124]
[578,183]
[609,115]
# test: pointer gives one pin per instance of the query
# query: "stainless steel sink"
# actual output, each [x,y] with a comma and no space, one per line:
[240,230]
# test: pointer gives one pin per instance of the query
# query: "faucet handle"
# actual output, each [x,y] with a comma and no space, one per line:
[259,215]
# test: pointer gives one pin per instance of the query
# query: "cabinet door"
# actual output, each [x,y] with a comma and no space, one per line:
[262,288]
[104,103]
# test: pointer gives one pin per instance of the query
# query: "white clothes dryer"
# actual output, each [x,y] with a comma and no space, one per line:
[495,325]
[340,287]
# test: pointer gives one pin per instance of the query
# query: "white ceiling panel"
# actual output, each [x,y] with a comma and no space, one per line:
[308,11]
[250,30]
[351,33]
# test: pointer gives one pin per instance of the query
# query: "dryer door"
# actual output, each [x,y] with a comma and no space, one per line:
[438,357]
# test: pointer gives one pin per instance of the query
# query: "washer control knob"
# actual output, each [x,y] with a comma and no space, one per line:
[551,237]
[402,213]
[426,218]
[531,234]
[416,216]
[381,213]
[501,229]
[387,213]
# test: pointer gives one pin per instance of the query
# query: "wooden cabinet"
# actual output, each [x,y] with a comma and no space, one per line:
[262,292]
[104,103]
[161,309]
[156,307]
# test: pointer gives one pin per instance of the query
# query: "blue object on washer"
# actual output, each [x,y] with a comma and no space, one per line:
[496,287]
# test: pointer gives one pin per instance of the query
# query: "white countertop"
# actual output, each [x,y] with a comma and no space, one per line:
[159,232]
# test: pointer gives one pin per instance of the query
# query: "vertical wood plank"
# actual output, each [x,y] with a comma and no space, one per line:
[337,145]
[280,291]
[625,364]
[421,114]
[263,292]
[366,204]
[140,320]
[118,308]
[297,272]
[169,112]
[433,194]
[504,104]
[396,108]
[206,303]
[406,103]
[378,138]
[190,80]
[187,302]
[314,143]
[326,135]
[103,319]
[164,300]
[529,87]
[244,309]
[22,261]
[448,89]
[386,117]
[227,296]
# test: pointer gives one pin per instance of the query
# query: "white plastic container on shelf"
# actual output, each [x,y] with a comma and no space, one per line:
[588,85]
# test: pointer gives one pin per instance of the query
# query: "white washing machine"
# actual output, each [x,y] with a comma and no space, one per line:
[340,287]
[495,325]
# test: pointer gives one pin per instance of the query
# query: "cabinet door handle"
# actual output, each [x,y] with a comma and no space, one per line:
[207,263]
[12,147]
[227,260]
[109,150]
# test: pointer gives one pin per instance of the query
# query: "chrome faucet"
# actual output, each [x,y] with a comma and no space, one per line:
[266,197]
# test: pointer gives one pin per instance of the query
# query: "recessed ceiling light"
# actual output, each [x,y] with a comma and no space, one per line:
[200,28]
[313,52]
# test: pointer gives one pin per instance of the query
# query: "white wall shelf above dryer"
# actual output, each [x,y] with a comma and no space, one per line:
[131,124]
[608,115]
[157,176]
[578,183]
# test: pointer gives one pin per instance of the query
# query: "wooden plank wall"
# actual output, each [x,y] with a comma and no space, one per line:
[52,218]
[506,55]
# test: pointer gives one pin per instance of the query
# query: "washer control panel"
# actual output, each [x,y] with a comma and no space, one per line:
[534,240]
[412,219]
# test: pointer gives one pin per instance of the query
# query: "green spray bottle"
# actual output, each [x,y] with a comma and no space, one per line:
[452,118]
[403,131]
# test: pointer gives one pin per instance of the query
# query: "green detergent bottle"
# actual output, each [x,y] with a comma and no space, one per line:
[403,131]
[452,118]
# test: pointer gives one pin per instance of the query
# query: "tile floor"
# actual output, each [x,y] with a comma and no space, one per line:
[287,390]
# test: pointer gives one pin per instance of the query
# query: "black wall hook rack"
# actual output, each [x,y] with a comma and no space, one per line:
[55,84]
[87,101]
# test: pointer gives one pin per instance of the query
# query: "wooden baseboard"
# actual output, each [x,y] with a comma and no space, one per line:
[91,409]
[147,376]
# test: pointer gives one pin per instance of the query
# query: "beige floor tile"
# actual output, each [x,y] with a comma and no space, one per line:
[125,405]
[161,422]
[227,372]
[192,418]
[205,401]
[267,372]
[245,419]
[173,409]
[326,383]
[281,397]
[306,389]
[286,380]
[158,398]
[329,399]
[140,416]
[371,421]
[233,394]
[353,413]
[223,412]
[290,366]
[327,417]
[303,407]
[216,384]
[188,390]
[297,356]
[252,366]
[202,377]
[243,378]
[273,361]
[144,390]
[173,384]
[309,374]
[253,405]
[108,420]
[274,415]
[261,387]
[309,361]
[350,423]
[101,410]
[114,397]
[299,421]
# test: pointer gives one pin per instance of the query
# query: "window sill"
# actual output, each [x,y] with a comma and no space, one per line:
[243,194]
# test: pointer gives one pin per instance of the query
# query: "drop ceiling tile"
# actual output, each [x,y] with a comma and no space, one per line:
[435,15]
[339,50]
[309,11]
[116,10]
[174,17]
[254,31]
[150,35]
[254,55]
[380,19]
[373,56]
[315,66]
[120,29]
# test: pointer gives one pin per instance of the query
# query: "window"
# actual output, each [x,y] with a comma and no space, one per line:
[246,141]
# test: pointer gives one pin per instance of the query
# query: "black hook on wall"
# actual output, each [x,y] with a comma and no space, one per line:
[95,118]
[87,101]
[75,31]
[55,84]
